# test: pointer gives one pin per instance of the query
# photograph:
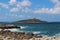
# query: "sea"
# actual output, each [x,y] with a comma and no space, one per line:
[43,29]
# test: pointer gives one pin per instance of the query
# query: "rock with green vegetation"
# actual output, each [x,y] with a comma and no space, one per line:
[34,20]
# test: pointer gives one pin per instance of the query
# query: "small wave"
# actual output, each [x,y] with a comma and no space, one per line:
[37,32]
[45,35]
[58,34]
[13,30]
[23,27]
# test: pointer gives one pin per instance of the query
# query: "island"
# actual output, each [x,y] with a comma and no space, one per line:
[34,20]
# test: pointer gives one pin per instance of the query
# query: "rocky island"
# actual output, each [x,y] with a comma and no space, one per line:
[34,20]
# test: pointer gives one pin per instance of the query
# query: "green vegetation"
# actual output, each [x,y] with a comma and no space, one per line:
[34,20]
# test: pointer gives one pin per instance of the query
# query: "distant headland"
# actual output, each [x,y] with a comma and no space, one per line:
[34,20]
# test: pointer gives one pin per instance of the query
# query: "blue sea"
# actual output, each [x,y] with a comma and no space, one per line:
[44,29]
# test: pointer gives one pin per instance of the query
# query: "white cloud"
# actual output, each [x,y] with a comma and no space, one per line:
[47,10]
[21,6]
[14,10]
[27,10]
[25,3]
[55,10]
[4,5]
[12,1]
[42,10]
[55,1]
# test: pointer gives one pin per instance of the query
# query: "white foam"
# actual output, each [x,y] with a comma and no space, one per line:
[23,27]
[45,35]
[58,34]
[0,29]
[13,29]
[36,32]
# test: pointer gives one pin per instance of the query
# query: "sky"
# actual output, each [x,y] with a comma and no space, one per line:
[14,10]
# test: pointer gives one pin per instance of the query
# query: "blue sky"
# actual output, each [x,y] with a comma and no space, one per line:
[13,10]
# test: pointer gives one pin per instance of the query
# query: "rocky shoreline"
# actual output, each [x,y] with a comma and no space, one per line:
[18,35]
[8,35]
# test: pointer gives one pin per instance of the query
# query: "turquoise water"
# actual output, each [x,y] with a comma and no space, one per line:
[48,29]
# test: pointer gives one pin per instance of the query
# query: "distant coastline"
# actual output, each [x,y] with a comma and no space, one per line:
[34,20]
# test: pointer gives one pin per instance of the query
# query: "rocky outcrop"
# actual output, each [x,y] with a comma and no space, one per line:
[17,35]
[8,27]
[34,20]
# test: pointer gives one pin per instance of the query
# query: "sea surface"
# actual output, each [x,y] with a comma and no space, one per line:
[44,29]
